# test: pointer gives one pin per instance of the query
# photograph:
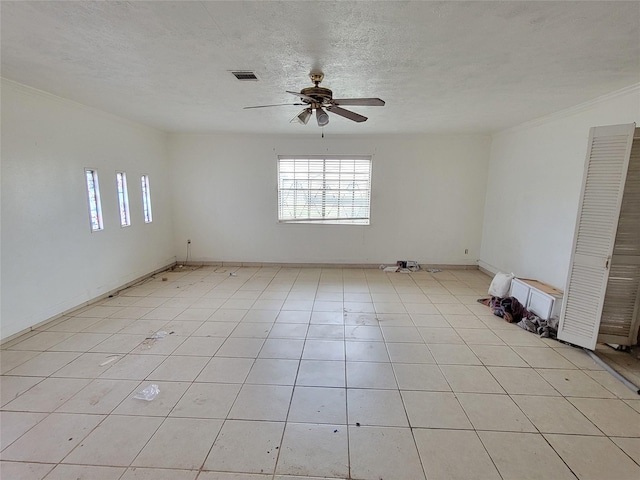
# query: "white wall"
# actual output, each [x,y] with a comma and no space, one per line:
[427,199]
[533,190]
[51,261]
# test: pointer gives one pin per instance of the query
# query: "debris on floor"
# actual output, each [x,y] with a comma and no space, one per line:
[401,266]
[110,359]
[433,270]
[148,393]
[407,266]
[152,339]
[158,335]
[512,311]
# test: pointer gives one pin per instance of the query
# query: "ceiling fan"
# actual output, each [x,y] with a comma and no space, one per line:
[321,100]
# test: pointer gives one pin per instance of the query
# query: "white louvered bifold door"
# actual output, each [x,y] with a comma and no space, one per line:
[619,321]
[595,232]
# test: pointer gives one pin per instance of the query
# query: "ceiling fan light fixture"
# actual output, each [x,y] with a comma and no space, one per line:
[322,117]
[303,117]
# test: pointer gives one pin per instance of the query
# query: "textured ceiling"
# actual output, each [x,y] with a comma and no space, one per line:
[473,67]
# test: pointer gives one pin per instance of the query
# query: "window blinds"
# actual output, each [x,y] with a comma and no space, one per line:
[324,189]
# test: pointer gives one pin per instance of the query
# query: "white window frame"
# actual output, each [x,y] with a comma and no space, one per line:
[93,197]
[146,198]
[324,189]
[123,199]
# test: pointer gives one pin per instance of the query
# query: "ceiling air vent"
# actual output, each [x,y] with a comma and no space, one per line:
[245,76]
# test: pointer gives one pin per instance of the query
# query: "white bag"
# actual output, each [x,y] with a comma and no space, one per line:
[500,284]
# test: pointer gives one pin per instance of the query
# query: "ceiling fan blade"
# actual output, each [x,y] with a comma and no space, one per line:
[363,102]
[302,96]
[275,105]
[356,117]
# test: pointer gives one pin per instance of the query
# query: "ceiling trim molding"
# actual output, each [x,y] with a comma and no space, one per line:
[35,92]
[567,112]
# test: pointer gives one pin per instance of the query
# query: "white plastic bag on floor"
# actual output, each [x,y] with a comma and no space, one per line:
[148,393]
[500,284]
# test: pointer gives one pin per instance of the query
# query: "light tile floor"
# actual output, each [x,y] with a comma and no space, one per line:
[299,373]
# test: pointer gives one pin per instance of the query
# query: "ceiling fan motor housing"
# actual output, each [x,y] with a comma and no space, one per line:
[320,94]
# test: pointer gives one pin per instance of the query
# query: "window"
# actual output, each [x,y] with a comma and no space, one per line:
[123,199]
[93,193]
[146,199]
[324,190]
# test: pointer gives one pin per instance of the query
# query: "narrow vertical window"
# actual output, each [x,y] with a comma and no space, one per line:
[123,199]
[93,193]
[146,199]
